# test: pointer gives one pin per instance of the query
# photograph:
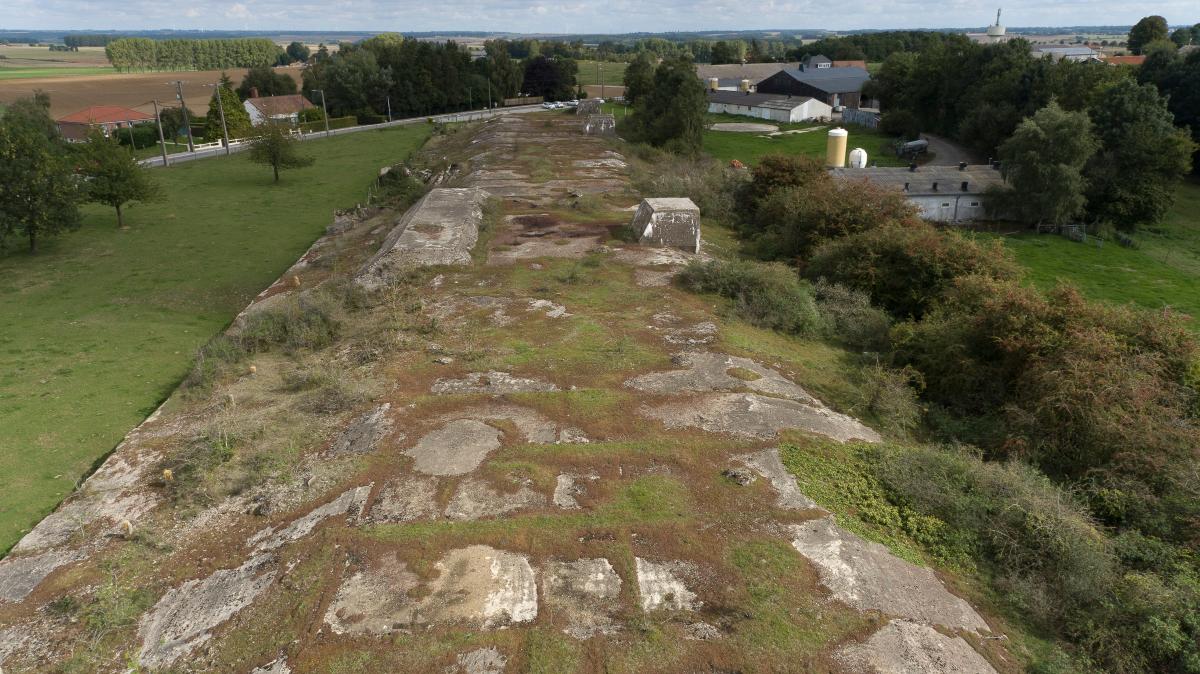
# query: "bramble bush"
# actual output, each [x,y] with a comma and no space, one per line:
[766,295]
[906,268]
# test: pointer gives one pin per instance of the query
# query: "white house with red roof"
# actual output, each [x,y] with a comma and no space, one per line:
[275,108]
[107,118]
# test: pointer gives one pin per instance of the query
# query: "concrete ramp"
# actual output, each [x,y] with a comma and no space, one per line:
[440,229]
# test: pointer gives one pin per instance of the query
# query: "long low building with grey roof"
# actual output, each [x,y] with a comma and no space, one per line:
[942,193]
[771,107]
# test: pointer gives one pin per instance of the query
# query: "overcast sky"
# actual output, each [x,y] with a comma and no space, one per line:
[573,16]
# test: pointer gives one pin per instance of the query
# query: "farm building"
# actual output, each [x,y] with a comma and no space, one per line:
[107,118]
[767,106]
[835,86]
[729,77]
[818,61]
[1062,53]
[942,193]
[276,108]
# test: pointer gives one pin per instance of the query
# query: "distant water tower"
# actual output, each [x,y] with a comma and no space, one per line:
[858,158]
[835,148]
[996,30]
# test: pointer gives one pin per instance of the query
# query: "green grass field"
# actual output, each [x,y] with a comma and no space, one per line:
[748,147]
[101,325]
[1163,271]
[610,73]
[24,62]
[19,73]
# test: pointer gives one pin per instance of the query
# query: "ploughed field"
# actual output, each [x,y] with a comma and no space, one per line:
[533,455]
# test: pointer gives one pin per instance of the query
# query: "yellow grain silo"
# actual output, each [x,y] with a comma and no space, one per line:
[835,148]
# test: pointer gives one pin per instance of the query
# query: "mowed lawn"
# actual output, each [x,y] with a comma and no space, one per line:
[600,72]
[101,325]
[748,147]
[1163,271]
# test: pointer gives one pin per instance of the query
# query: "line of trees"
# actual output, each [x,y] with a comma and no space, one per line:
[76,40]
[146,54]
[421,78]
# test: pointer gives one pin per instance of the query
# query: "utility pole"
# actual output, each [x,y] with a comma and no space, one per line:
[221,109]
[389,102]
[325,110]
[600,81]
[469,105]
[162,142]
[187,123]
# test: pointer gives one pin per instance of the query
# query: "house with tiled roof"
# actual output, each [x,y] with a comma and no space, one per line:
[106,118]
[275,108]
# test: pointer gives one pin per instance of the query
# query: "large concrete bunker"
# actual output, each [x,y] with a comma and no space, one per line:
[672,222]
[441,228]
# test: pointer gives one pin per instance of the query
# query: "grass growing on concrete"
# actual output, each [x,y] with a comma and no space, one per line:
[103,324]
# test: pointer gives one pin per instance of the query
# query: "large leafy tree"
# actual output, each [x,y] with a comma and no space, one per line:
[266,82]
[1132,178]
[297,51]
[40,196]
[113,175]
[1043,163]
[552,78]
[277,148]
[237,120]
[1149,29]
[671,115]
[1178,79]
[504,74]
[639,77]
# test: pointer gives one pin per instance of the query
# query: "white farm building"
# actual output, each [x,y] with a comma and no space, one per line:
[942,193]
[773,107]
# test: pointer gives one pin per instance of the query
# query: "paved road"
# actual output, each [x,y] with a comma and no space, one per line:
[451,117]
[948,153]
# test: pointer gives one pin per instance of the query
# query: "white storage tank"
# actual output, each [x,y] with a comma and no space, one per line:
[713,84]
[835,147]
[858,158]
[745,86]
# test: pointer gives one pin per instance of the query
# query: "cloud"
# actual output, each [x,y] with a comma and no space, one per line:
[237,11]
[583,16]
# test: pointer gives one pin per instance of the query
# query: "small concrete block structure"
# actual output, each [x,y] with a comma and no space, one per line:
[600,125]
[671,222]
[588,107]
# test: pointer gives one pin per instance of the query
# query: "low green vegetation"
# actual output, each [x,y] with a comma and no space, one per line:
[102,324]
[1161,271]
[600,72]
[19,73]
[748,148]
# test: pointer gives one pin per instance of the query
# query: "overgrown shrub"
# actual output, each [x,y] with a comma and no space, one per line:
[888,395]
[399,189]
[906,268]
[213,360]
[1085,391]
[767,295]
[849,317]
[709,184]
[309,321]
[792,208]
